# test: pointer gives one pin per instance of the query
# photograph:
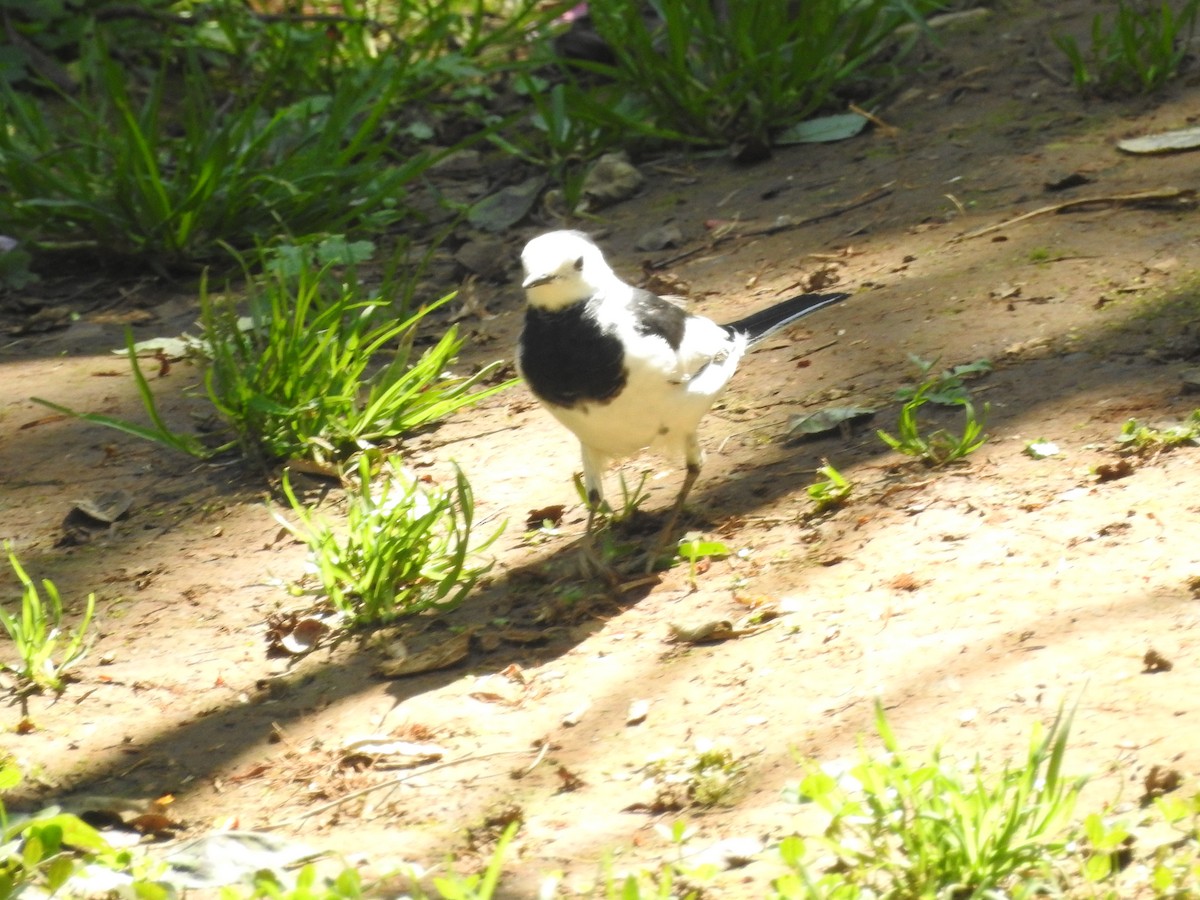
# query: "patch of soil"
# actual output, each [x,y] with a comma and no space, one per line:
[970,600]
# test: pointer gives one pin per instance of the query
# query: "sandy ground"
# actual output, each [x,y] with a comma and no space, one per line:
[970,600]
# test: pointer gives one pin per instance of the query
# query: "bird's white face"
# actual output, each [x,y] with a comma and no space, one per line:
[561,268]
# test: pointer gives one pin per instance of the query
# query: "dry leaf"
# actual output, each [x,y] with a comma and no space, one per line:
[153,823]
[1122,468]
[385,751]
[304,637]
[719,630]
[515,673]
[638,710]
[450,652]
[575,716]
[569,781]
[1163,142]
[105,508]
[537,518]
[1154,662]
[1161,780]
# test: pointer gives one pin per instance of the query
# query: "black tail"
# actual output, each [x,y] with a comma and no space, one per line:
[767,321]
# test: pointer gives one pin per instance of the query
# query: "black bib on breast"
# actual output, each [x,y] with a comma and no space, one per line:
[568,358]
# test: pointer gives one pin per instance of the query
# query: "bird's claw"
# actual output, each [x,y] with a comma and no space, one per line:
[591,564]
[654,559]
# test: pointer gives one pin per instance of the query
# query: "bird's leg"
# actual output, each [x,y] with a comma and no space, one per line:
[593,468]
[695,458]
[664,536]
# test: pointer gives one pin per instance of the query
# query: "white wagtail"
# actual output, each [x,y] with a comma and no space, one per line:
[624,369]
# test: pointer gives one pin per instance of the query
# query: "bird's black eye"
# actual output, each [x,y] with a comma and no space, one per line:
[579,264]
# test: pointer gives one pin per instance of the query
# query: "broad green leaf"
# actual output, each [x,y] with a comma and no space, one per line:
[822,130]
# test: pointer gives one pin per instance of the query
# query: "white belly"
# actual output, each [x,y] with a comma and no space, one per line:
[651,412]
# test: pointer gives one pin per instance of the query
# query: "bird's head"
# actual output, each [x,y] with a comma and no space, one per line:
[563,267]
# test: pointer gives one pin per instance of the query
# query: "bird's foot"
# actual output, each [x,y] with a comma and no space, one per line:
[657,559]
[661,554]
[591,563]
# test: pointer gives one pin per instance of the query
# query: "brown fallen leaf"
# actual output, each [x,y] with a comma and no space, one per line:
[154,823]
[515,673]
[575,716]
[569,781]
[304,637]
[293,634]
[905,581]
[1154,662]
[44,420]
[495,697]
[443,655]
[524,636]
[638,710]
[489,642]
[1160,780]
[104,508]
[255,771]
[711,632]
[313,467]
[537,518]
[719,630]
[665,284]
[381,751]
[1122,468]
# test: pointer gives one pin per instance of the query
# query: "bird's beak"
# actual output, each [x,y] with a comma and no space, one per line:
[533,281]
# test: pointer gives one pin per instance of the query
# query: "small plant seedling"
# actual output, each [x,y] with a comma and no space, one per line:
[833,490]
[45,852]
[1139,52]
[673,878]
[696,550]
[704,776]
[908,828]
[1146,440]
[632,498]
[948,388]
[300,377]
[1041,449]
[36,633]
[1105,841]
[305,380]
[406,547]
[938,447]
[569,127]
[746,72]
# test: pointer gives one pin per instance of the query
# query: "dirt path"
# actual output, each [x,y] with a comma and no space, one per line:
[971,600]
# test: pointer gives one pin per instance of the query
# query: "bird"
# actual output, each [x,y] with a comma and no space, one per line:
[625,369]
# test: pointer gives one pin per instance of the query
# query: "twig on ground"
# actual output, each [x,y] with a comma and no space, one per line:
[890,131]
[384,785]
[1173,198]
[785,223]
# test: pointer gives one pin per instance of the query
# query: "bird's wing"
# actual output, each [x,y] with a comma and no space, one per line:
[694,341]
[707,346]
[657,317]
